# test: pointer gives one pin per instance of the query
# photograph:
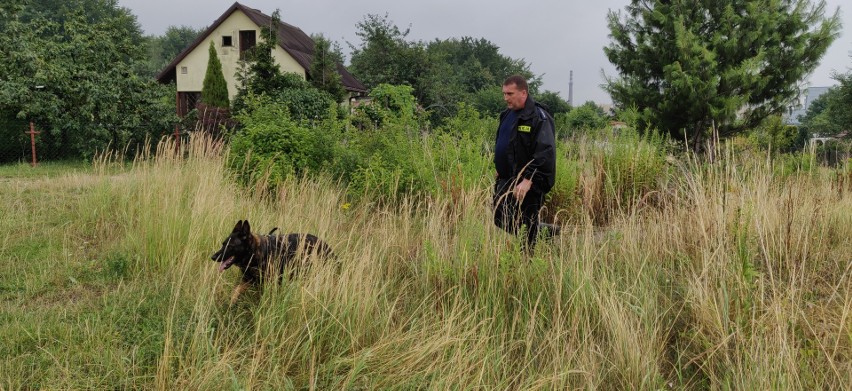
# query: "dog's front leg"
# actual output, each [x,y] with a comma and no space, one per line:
[238,291]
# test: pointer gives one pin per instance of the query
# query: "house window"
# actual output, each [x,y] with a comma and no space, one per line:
[184,70]
[227,41]
[248,40]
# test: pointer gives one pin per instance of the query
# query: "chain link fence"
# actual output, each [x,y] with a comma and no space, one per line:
[21,139]
[16,145]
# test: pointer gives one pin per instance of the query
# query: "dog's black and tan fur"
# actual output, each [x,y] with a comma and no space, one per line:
[266,257]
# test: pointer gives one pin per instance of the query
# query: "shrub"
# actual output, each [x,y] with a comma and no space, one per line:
[460,151]
[303,101]
[588,116]
[271,145]
[387,103]
[774,135]
[389,162]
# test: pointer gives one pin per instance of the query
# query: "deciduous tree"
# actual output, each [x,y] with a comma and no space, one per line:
[831,113]
[76,77]
[324,73]
[384,55]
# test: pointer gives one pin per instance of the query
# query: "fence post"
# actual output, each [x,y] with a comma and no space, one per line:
[32,134]
[177,139]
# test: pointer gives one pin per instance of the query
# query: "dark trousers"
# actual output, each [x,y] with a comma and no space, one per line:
[511,215]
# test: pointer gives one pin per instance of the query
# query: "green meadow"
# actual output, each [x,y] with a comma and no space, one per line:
[735,274]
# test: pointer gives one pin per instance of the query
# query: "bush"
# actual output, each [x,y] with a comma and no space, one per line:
[272,146]
[588,116]
[390,163]
[398,159]
[774,135]
[303,100]
[791,164]
[461,150]
[387,103]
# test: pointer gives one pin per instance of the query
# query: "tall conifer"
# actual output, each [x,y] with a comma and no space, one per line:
[692,65]
[214,91]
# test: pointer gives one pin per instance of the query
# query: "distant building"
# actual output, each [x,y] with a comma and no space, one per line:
[798,109]
[235,32]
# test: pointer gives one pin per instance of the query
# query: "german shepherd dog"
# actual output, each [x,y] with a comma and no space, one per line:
[266,257]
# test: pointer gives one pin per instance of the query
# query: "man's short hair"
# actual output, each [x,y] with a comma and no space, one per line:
[518,81]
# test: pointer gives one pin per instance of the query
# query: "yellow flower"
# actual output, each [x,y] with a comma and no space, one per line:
[345,206]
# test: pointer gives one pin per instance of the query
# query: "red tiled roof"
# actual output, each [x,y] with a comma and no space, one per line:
[292,39]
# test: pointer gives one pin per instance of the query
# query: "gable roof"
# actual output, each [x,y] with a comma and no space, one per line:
[292,39]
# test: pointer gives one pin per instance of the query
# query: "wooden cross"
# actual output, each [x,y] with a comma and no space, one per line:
[32,134]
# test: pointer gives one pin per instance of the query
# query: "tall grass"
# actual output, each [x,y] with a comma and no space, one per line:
[734,279]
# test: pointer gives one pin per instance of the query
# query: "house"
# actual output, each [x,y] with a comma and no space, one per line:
[238,30]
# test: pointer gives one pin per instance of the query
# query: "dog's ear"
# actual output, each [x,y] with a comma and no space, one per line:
[238,227]
[246,230]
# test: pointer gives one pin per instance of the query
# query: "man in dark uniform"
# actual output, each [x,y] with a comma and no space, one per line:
[525,159]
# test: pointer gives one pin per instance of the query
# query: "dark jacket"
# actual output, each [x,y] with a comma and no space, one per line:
[532,147]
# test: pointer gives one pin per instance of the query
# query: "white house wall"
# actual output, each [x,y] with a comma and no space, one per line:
[195,63]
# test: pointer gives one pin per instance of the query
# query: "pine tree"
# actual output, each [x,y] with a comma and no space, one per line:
[214,91]
[692,65]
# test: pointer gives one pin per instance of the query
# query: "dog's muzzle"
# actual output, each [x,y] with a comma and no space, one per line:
[223,265]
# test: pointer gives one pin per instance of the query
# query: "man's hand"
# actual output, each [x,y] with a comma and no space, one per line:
[522,188]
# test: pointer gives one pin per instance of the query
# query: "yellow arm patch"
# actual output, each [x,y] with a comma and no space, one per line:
[524,128]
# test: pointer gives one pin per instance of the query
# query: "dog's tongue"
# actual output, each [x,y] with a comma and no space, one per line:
[226,264]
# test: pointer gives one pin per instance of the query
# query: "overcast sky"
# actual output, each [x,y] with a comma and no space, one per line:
[553,36]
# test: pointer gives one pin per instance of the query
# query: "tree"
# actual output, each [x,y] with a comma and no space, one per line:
[458,69]
[690,65]
[840,106]
[554,103]
[384,56]
[588,116]
[163,49]
[263,78]
[214,90]
[75,77]
[830,114]
[478,63]
[259,74]
[324,68]
[817,120]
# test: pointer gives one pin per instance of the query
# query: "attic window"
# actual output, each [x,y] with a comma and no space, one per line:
[183,70]
[248,40]
[227,41]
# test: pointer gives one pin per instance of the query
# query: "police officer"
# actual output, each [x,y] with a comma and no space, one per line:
[525,159]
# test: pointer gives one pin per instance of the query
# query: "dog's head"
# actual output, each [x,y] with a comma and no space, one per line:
[238,247]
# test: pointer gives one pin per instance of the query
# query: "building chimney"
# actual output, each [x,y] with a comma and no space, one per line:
[571,89]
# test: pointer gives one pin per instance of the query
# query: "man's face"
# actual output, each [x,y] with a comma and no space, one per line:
[514,97]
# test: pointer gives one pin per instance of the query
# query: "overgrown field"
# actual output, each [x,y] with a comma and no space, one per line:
[728,275]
